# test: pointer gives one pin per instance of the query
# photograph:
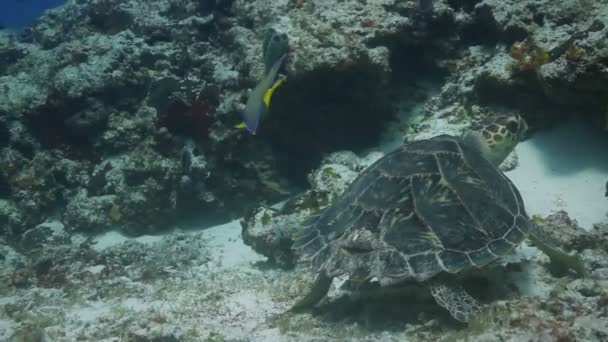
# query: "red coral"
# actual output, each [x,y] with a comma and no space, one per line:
[190,119]
[368,22]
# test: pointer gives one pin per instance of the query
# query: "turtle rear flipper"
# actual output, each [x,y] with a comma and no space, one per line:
[562,260]
[318,290]
[559,258]
[457,301]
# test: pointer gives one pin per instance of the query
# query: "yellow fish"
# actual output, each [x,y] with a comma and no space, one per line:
[260,97]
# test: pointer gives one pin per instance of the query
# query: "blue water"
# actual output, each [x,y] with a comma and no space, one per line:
[20,13]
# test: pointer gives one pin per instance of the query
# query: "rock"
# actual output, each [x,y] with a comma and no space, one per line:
[336,172]
[43,235]
[157,333]
[270,231]
[11,222]
[20,93]
[39,183]
[145,75]
[97,97]
[564,308]
[11,260]
[92,214]
[591,246]
[570,33]
[134,192]
[561,228]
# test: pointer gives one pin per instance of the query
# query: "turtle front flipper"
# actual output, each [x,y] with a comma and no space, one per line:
[457,301]
[559,258]
[317,292]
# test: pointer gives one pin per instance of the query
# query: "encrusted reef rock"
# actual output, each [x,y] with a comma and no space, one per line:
[547,55]
[46,233]
[99,81]
[10,218]
[134,192]
[269,231]
[95,83]
[561,309]
[591,245]
[38,185]
[121,114]
[571,236]
[92,214]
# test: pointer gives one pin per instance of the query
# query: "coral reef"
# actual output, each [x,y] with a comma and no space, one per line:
[560,43]
[100,80]
[98,99]
[208,285]
[570,310]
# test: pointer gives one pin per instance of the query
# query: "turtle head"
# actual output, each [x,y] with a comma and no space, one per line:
[498,136]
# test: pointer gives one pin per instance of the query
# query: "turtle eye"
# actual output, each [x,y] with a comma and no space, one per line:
[513,126]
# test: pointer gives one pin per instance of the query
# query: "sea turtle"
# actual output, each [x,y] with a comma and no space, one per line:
[427,212]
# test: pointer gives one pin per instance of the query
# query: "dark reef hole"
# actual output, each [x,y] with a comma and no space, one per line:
[411,63]
[9,56]
[5,134]
[539,19]
[323,112]
[483,30]
[343,109]
[105,18]
[5,188]
[206,7]
[49,124]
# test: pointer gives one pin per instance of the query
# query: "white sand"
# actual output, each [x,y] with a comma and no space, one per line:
[114,238]
[229,249]
[565,168]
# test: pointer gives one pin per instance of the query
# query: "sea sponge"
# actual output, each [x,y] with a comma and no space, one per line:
[573,54]
[528,56]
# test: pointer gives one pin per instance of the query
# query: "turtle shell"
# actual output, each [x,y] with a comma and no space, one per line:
[430,206]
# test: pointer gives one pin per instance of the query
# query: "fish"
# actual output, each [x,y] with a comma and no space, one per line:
[268,94]
[260,97]
[186,157]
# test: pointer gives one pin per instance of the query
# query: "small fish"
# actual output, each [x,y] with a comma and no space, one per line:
[260,97]
[186,157]
[267,97]
[268,94]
